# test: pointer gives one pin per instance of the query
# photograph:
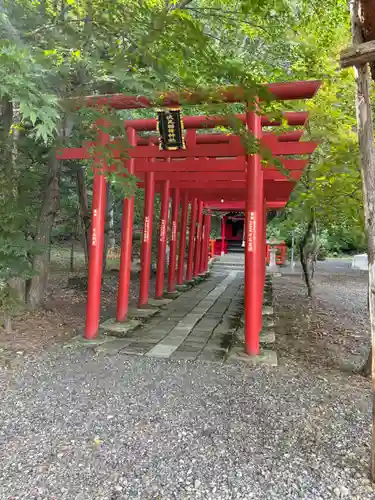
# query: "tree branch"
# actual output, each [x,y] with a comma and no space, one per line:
[182,4]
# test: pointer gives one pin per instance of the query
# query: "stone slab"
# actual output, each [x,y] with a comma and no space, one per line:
[267,311]
[268,322]
[182,288]
[267,336]
[113,347]
[185,355]
[161,351]
[137,313]
[136,349]
[119,328]
[266,357]
[159,302]
[194,345]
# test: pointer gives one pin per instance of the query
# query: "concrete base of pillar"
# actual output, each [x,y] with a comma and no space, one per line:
[199,278]
[184,287]
[172,295]
[137,313]
[119,329]
[205,275]
[159,302]
[274,271]
[80,341]
[268,322]
[266,357]
[267,335]
[267,311]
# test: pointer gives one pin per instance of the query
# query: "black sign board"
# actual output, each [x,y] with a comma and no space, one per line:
[170,129]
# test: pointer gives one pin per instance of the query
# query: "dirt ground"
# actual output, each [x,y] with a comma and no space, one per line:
[64,312]
[333,329]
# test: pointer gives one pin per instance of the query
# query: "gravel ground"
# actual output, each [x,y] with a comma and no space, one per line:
[333,329]
[78,426]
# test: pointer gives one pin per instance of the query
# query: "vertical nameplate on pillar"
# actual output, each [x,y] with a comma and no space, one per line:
[251,233]
[146,229]
[162,231]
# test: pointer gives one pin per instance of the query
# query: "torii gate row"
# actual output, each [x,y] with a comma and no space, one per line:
[251,192]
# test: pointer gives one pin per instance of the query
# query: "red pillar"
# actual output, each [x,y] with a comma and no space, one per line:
[208,233]
[173,241]
[205,243]
[202,246]
[198,242]
[126,241]
[182,247]
[222,236]
[264,241]
[260,256]
[192,228]
[163,225]
[146,239]
[97,240]
[253,214]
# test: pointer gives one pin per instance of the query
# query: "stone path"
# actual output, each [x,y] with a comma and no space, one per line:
[204,323]
[199,324]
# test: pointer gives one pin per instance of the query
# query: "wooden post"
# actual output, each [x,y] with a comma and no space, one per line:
[367,163]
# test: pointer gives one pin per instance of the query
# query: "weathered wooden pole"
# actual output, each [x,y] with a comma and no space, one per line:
[365,132]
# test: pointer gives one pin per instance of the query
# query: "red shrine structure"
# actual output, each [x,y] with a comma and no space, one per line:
[213,172]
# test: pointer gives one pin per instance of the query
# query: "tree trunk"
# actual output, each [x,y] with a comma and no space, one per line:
[367,164]
[7,321]
[111,229]
[48,211]
[84,211]
[304,259]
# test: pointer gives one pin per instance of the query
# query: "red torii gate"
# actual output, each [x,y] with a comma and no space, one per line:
[207,154]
